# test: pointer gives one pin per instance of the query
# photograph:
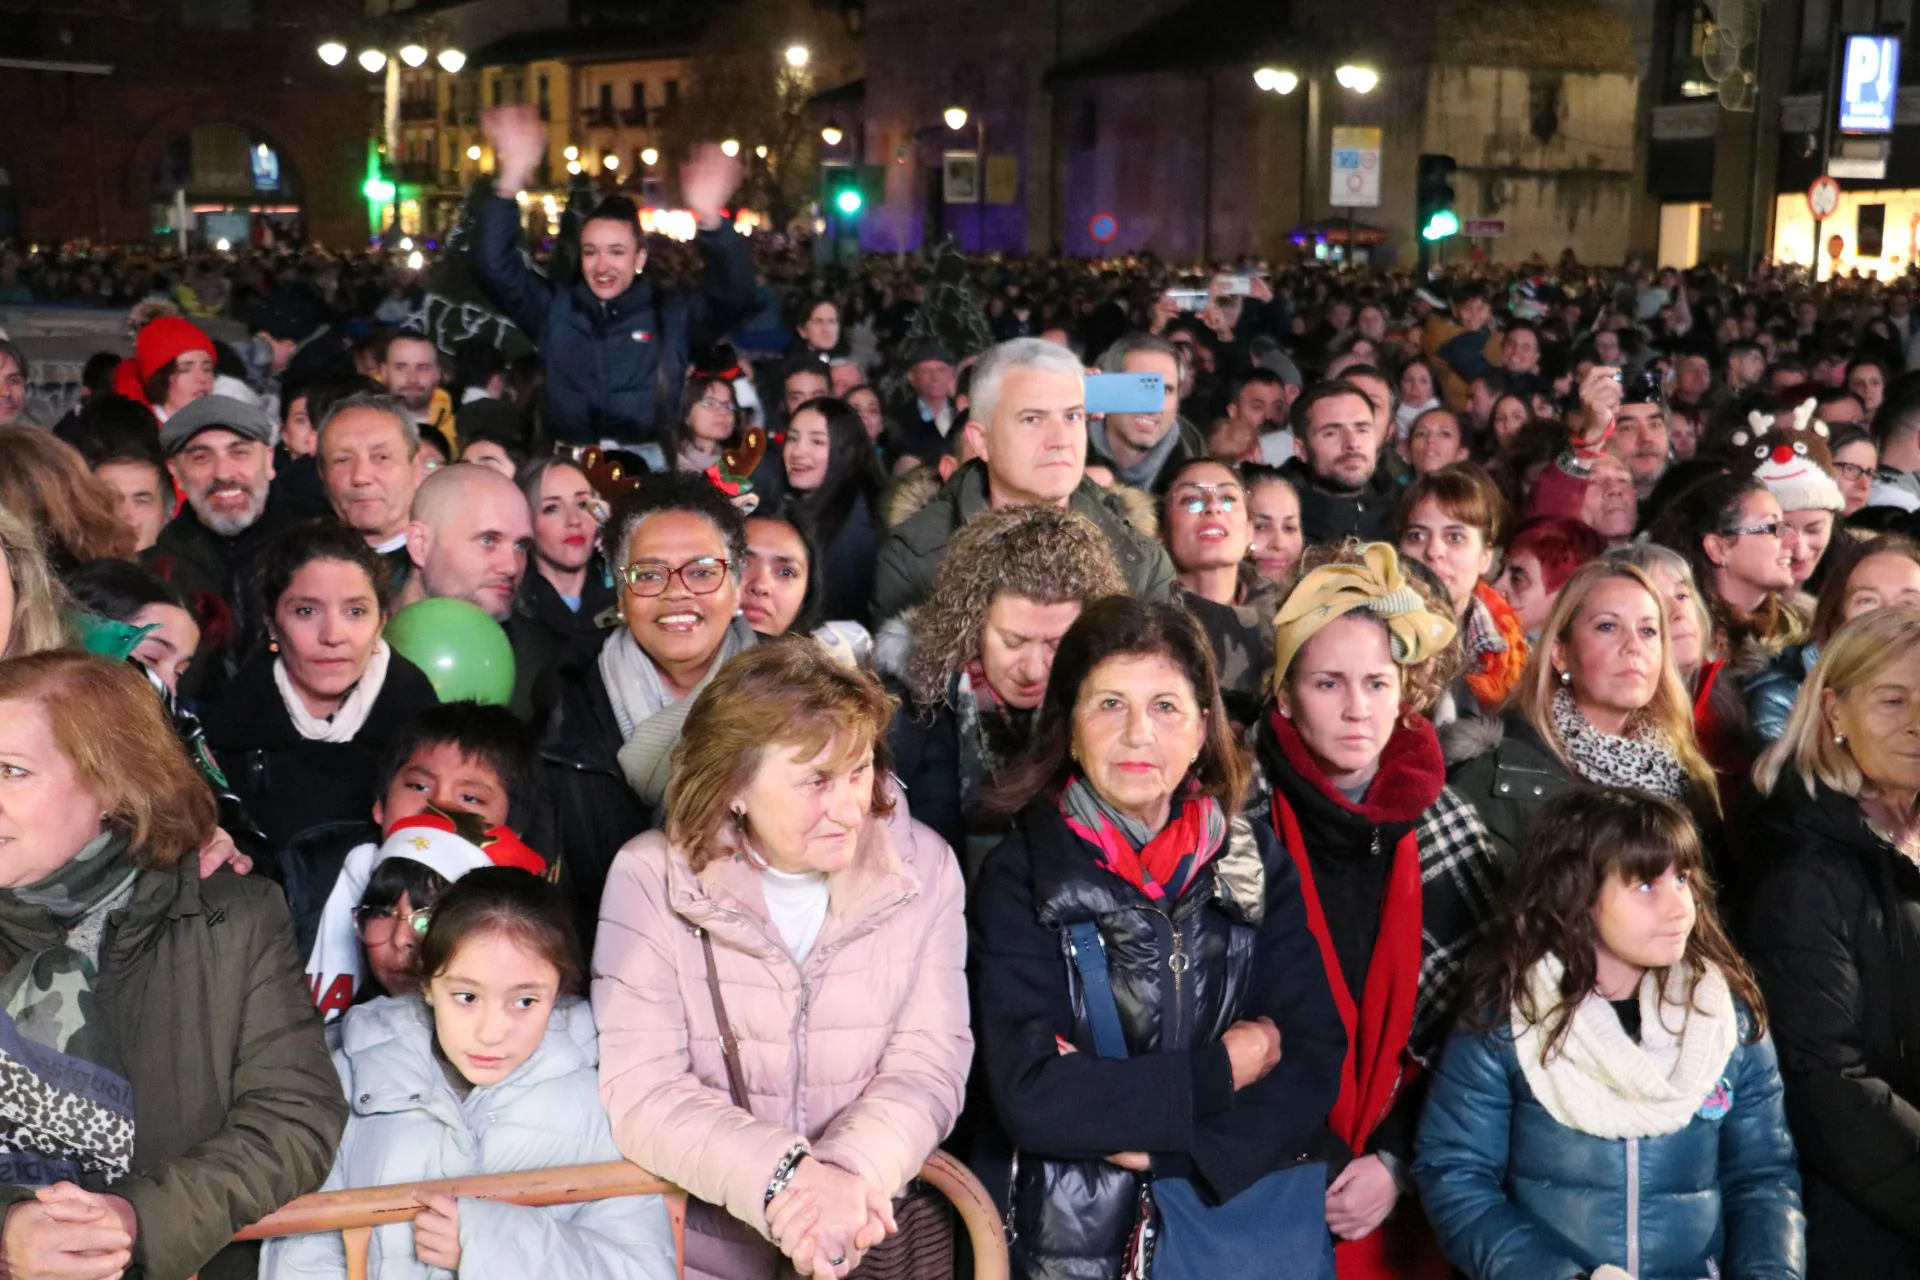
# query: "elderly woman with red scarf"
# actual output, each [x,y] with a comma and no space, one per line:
[1397,871]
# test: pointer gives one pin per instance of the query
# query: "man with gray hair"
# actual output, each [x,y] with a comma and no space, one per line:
[1141,448]
[1027,426]
[368,451]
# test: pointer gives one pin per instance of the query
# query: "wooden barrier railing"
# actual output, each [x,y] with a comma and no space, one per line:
[354,1214]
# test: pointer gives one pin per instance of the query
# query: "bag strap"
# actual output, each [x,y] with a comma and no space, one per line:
[729,1047]
[1103,1012]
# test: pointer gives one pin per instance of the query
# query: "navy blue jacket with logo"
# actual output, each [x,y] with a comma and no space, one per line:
[614,369]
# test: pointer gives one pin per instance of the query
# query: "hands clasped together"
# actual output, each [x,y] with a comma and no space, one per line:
[827,1219]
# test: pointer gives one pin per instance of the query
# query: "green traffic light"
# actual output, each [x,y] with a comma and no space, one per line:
[1442,224]
[848,201]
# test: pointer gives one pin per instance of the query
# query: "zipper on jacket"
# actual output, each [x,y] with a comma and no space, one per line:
[1633,1206]
[800,1050]
[1178,962]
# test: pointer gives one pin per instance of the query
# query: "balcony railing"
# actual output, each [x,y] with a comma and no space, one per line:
[354,1214]
[634,117]
[416,109]
[596,118]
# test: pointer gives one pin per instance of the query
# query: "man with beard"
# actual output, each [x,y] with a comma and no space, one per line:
[1642,437]
[220,452]
[1342,495]
[468,539]
[410,370]
[1143,448]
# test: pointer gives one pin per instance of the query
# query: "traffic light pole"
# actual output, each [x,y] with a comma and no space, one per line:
[1828,98]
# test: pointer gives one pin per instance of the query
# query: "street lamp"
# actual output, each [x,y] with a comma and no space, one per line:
[451,60]
[831,136]
[760,152]
[1275,80]
[649,157]
[797,56]
[372,60]
[730,148]
[573,166]
[956,118]
[571,153]
[473,152]
[610,161]
[332,52]
[1358,79]
[414,55]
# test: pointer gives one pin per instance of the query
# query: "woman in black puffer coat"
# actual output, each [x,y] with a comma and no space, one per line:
[1134,828]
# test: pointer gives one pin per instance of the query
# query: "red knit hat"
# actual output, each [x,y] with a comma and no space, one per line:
[158,345]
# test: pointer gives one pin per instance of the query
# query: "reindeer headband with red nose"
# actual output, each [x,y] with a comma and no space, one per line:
[1790,456]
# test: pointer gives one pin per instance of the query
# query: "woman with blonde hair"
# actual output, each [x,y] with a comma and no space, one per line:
[1601,703]
[779,978]
[1833,931]
[31,598]
[1395,869]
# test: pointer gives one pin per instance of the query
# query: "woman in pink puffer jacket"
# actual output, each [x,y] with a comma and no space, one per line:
[838,938]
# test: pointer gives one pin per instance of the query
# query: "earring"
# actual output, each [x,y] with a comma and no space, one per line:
[1566,678]
[740,819]
[1839,739]
[273,646]
[1286,714]
[1074,752]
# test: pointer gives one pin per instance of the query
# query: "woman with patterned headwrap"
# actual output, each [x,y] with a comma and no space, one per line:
[1396,870]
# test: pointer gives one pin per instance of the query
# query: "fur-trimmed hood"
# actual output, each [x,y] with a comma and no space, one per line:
[1471,736]
[893,646]
[908,494]
[1138,508]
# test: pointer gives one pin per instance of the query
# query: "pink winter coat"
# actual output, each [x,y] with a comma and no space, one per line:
[862,1054]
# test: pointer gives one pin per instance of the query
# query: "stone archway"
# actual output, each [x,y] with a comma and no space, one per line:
[236,184]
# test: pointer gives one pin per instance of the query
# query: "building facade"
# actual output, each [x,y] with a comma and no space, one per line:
[115,114]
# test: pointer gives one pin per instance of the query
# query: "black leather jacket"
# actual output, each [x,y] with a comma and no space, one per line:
[1235,946]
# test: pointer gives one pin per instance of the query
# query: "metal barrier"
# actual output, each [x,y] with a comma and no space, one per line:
[354,1214]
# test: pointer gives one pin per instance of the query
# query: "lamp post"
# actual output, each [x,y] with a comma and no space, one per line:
[1354,78]
[388,49]
[956,117]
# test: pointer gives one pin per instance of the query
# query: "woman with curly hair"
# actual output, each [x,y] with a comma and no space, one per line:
[1396,870]
[31,598]
[971,664]
[47,483]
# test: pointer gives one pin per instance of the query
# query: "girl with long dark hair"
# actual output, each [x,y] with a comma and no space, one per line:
[833,484]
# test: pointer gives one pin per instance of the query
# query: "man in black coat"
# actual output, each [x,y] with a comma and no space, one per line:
[616,351]
[1342,492]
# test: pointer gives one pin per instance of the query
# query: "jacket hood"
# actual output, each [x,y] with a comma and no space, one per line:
[908,495]
[893,646]
[1137,508]
[1471,736]
[388,1061]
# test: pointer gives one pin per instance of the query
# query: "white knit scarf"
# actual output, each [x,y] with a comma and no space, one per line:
[351,716]
[1601,1083]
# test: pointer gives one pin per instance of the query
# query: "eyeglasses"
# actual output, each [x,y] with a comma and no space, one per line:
[702,577]
[715,406]
[1852,471]
[376,925]
[1770,529]
[1195,499]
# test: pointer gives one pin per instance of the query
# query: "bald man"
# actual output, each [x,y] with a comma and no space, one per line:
[468,539]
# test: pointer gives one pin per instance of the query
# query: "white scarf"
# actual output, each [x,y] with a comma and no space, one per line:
[633,682]
[1601,1083]
[352,713]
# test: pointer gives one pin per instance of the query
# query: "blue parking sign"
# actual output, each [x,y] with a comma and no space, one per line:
[1870,84]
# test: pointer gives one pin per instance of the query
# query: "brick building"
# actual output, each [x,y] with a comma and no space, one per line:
[110,107]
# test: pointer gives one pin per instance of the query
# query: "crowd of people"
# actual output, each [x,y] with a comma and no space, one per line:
[1434,788]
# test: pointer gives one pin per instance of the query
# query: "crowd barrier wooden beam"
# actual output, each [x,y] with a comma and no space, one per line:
[354,1214]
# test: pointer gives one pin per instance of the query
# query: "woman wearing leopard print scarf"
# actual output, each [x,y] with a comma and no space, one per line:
[1600,704]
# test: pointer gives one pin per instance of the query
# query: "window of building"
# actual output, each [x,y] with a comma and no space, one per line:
[1692,23]
[496,92]
[545,109]
[606,103]
[639,90]
[673,93]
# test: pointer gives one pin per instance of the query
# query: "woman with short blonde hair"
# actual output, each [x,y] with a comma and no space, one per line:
[1832,929]
[779,978]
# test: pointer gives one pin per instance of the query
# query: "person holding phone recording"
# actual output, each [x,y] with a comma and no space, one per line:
[1144,448]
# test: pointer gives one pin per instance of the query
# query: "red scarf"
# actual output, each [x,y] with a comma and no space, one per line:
[1378,1026]
[1379,1023]
[1170,861]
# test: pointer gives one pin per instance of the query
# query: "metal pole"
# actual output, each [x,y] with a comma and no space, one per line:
[980,185]
[1753,245]
[1828,97]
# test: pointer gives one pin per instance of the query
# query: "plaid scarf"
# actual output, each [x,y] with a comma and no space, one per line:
[65,1111]
[1160,865]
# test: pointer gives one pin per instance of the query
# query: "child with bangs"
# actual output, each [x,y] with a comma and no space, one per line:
[1611,1106]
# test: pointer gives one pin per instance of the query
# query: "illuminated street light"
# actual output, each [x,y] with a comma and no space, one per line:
[797,56]
[571,153]
[333,53]
[573,166]
[649,157]
[730,148]
[610,161]
[414,55]
[831,136]
[1266,79]
[451,60]
[416,260]
[1358,79]
[473,152]
[372,59]
[761,151]
[956,118]
[406,243]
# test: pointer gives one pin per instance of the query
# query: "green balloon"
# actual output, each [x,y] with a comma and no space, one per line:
[464,652]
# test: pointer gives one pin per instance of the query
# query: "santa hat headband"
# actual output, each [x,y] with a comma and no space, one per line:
[1790,456]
